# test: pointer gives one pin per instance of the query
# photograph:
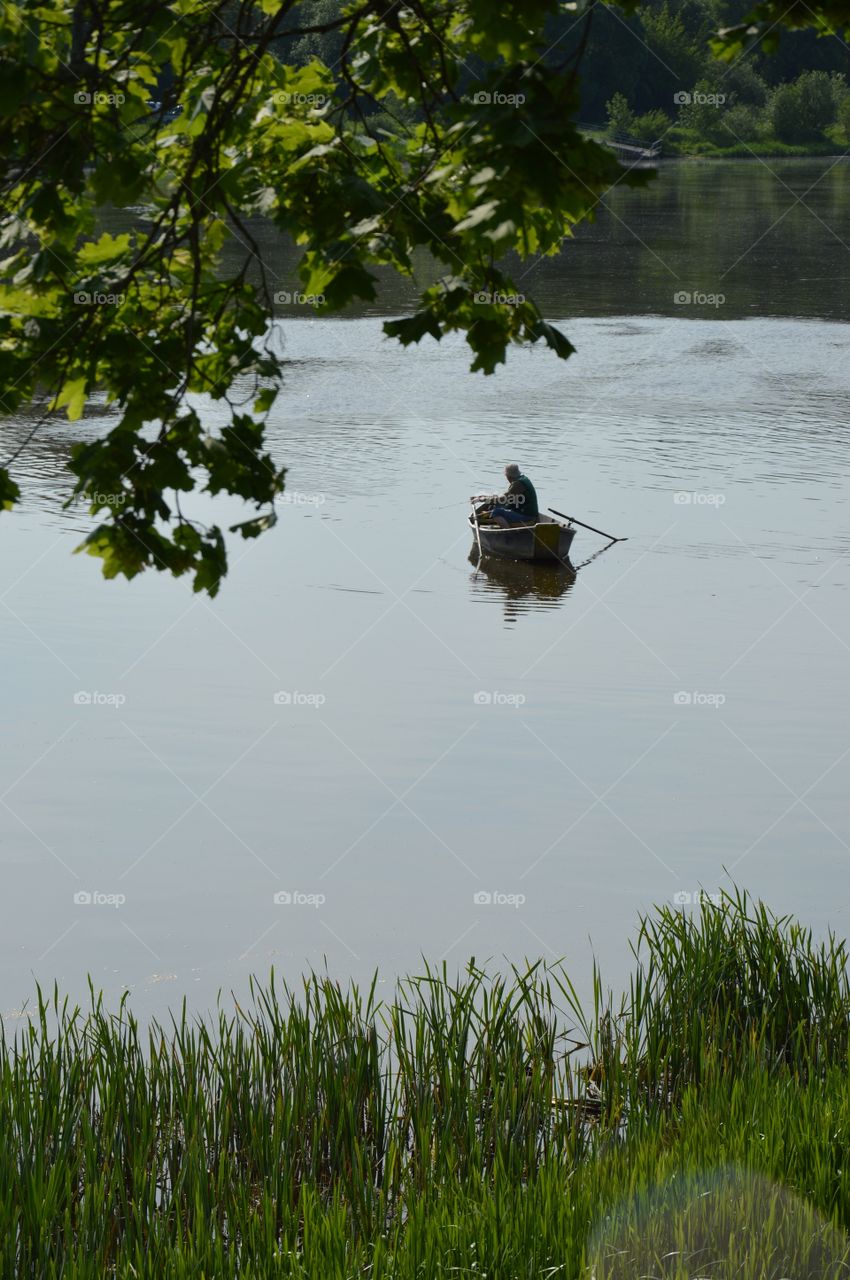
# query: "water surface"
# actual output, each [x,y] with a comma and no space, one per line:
[366,722]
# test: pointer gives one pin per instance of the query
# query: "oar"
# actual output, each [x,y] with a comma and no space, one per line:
[573,520]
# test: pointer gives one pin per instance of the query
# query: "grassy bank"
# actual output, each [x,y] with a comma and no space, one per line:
[683,144]
[746,150]
[484,1126]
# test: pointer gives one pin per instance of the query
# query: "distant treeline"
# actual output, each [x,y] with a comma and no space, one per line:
[653,75]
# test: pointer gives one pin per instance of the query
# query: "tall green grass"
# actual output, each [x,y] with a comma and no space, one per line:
[480,1125]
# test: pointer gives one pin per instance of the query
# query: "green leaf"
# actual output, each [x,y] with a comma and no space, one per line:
[413,328]
[253,528]
[72,398]
[106,249]
[265,400]
[9,491]
[553,338]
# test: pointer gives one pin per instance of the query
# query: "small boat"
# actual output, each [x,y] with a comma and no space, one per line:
[547,542]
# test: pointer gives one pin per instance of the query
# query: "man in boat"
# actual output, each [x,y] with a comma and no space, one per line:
[518,505]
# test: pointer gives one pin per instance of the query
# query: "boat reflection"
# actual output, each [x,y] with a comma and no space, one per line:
[524,587]
[520,586]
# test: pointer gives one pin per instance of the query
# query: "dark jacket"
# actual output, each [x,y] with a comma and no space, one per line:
[522,497]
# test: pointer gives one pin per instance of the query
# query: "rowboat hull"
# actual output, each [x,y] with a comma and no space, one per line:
[547,542]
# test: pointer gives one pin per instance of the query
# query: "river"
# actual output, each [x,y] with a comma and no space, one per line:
[366,751]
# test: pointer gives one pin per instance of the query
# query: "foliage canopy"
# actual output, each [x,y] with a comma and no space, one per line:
[188,115]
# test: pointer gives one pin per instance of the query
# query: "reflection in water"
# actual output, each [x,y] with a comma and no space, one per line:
[524,587]
[723,228]
[521,586]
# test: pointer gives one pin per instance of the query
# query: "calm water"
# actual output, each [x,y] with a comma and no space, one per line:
[676,717]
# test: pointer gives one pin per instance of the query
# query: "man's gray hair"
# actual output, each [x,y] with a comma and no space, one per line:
[512,471]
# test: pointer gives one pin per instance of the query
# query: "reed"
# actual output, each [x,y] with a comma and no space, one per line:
[480,1124]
